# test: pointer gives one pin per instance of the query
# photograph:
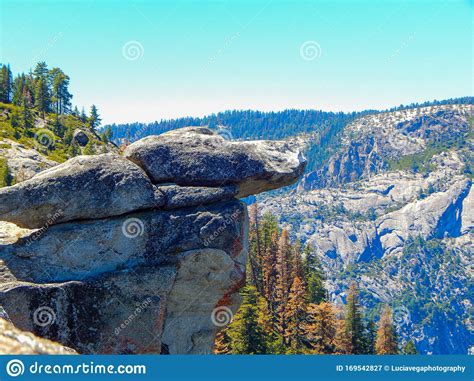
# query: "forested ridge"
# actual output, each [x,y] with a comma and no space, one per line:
[286,308]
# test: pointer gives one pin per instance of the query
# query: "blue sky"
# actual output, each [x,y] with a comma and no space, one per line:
[147,60]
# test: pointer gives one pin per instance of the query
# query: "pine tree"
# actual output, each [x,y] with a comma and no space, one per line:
[409,348]
[246,335]
[6,82]
[370,336]
[41,70]
[353,320]
[41,96]
[386,341]
[282,266]
[268,242]
[83,115]
[314,276]
[295,316]
[321,327]
[26,117]
[23,87]
[107,135]
[282,280]
[269,269]
[94,118]
[222,343]
[296,268]
[61,98]
[18,86]
[57,126]
[342,341]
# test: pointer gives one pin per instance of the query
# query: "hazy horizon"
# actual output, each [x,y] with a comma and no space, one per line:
[281,110]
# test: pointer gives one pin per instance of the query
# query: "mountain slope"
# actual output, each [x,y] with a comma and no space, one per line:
[392,209]
[42,142]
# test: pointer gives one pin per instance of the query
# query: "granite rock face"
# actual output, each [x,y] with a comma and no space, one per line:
[84,187]
[16,342]
[392,209]
[129,266]
[23,162]
[184,156]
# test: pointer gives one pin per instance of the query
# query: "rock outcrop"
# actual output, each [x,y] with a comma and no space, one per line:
[183,156]
[23,162]
[16,342]
[80,137]
[125,264]
[84,187]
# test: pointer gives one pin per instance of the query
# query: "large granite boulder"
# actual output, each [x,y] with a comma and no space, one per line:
[80,137]
[83,285]
[121,265]
[83,249]
[84,187]
[200,157]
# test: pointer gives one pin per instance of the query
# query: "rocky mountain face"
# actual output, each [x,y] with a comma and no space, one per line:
[393,209]
[373,142]
[23,162]
[137,254]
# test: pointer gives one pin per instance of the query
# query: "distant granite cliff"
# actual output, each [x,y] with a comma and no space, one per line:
[141,253]
[393,209]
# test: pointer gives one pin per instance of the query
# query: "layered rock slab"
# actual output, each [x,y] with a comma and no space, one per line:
[84,187]
[155,296]
[197,156]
